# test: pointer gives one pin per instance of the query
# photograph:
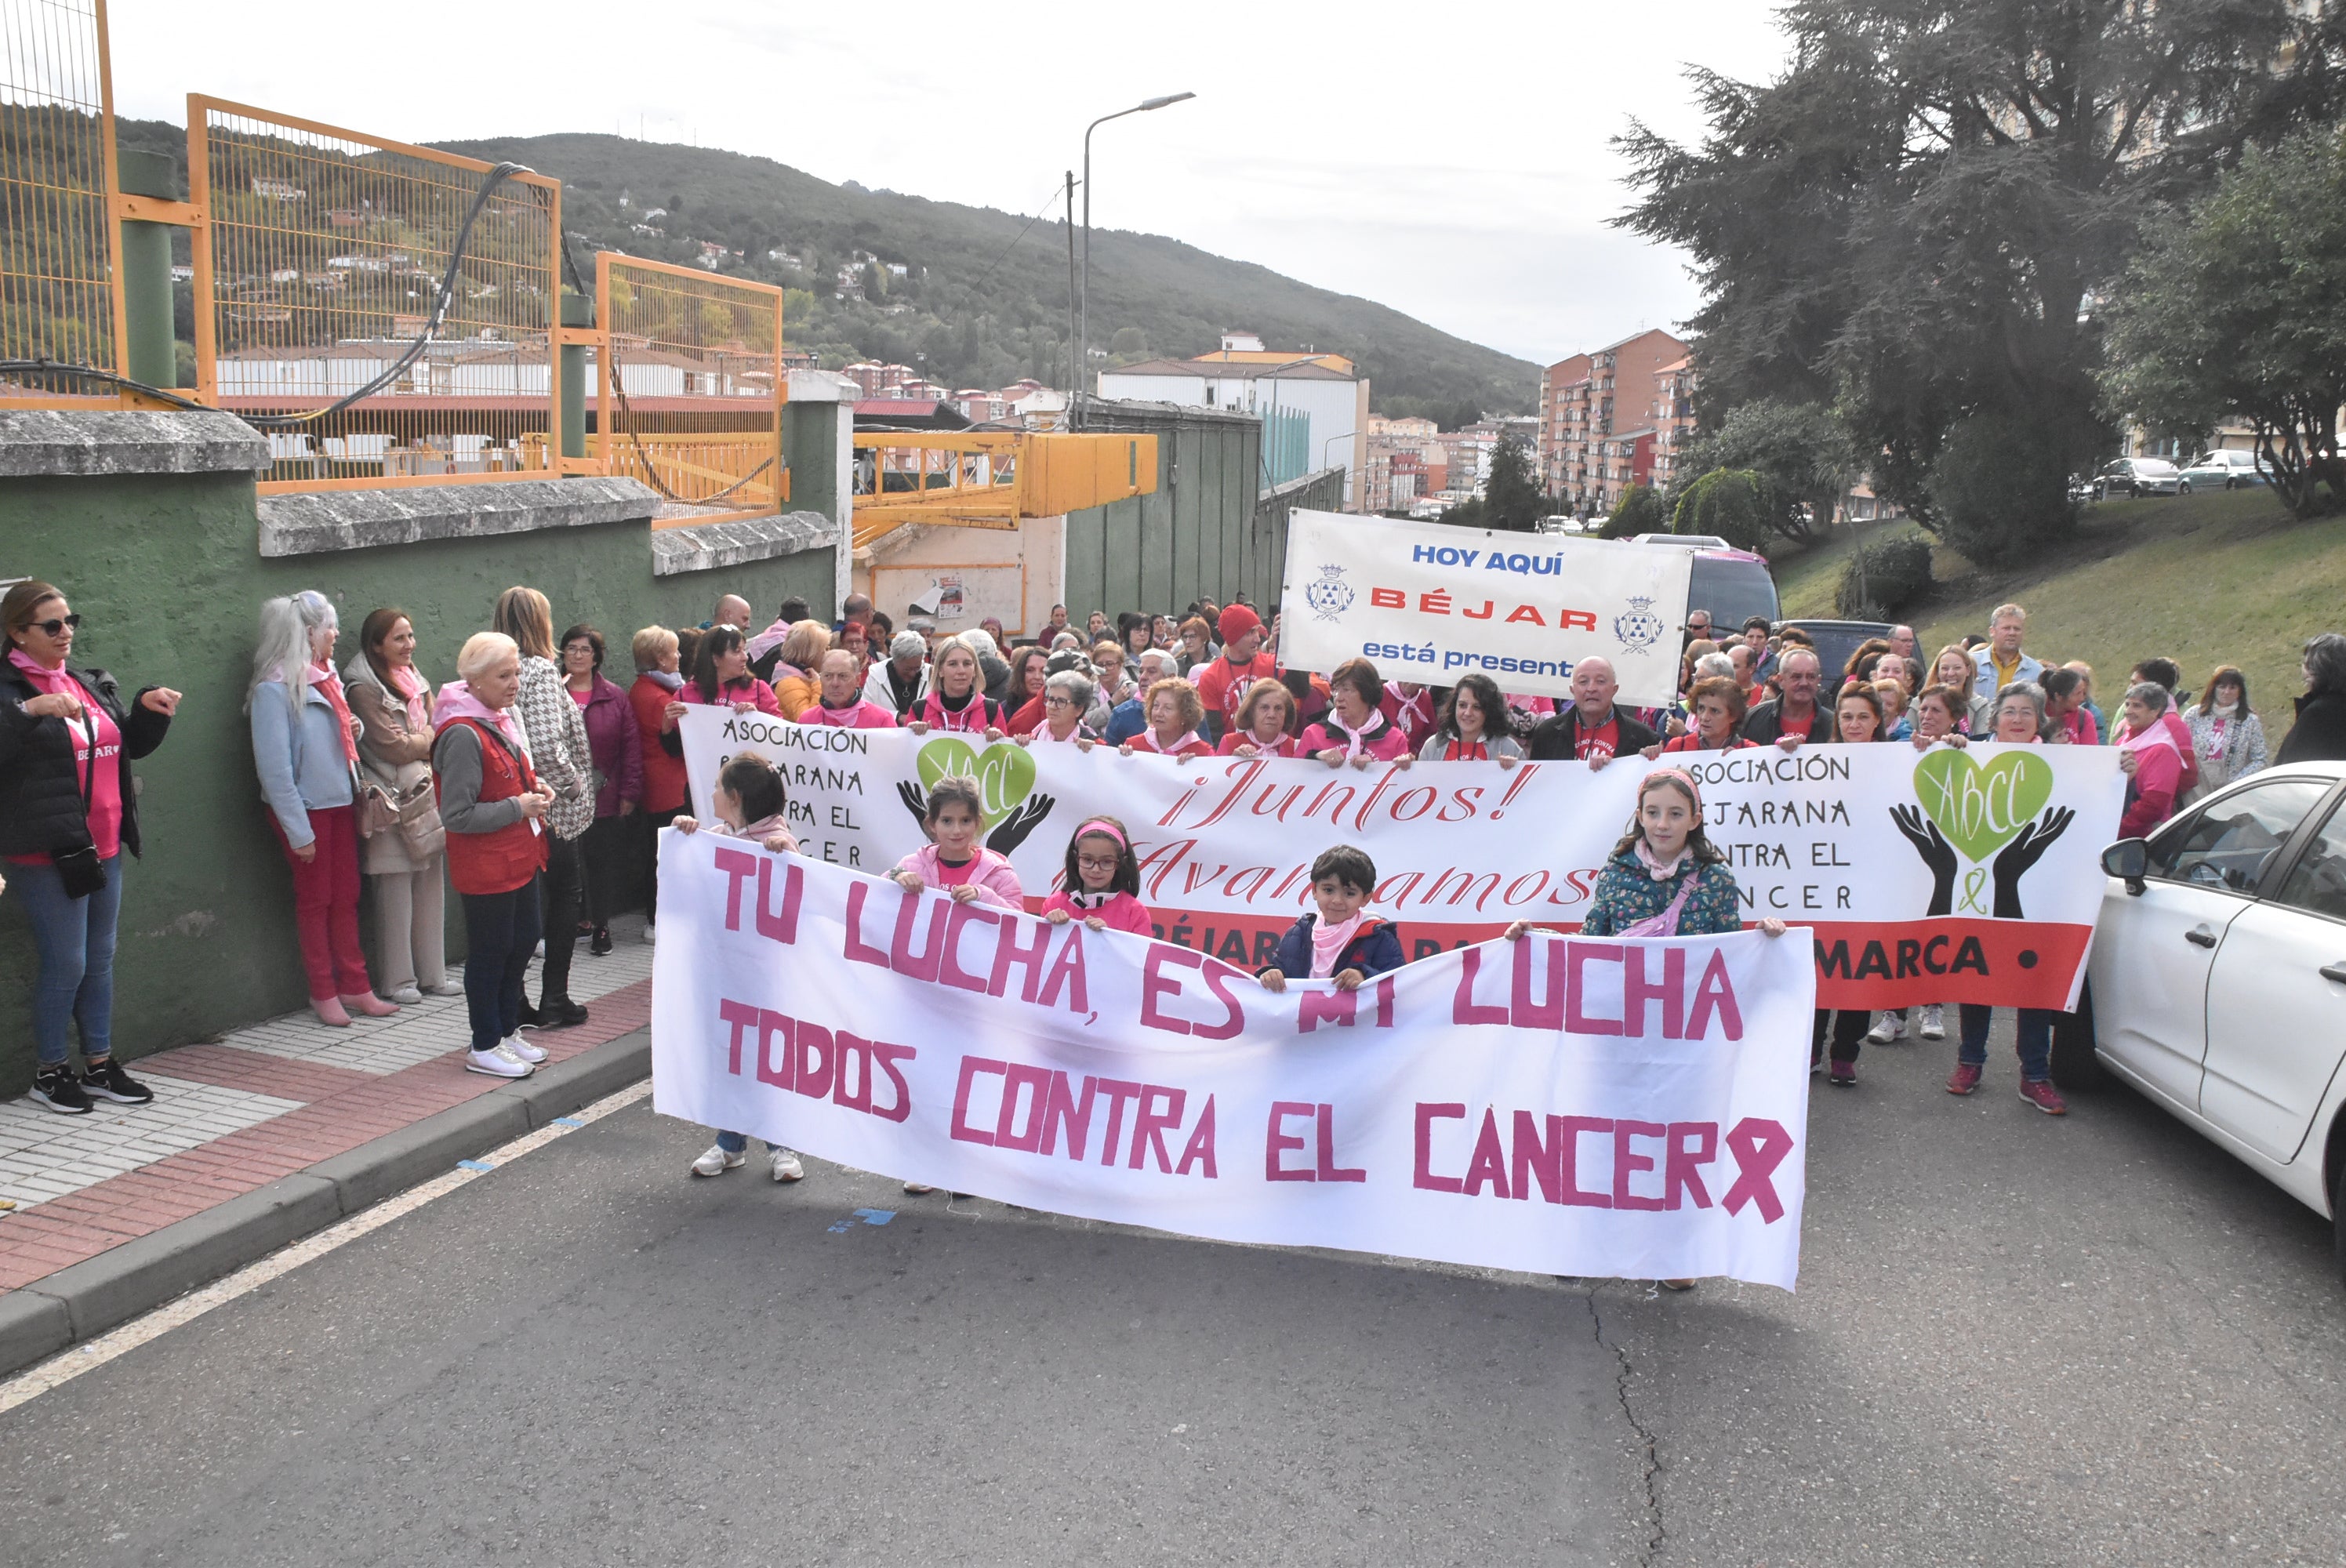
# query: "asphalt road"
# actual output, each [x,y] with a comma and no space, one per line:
[2017,1341]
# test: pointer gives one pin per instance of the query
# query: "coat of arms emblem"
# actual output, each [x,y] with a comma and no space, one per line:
[1331,596]
[1638,627]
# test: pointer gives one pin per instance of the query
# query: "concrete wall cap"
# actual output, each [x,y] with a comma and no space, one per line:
[86,442]
[704,546]
[314,521]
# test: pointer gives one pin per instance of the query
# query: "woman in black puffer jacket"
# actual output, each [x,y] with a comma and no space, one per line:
[67,813]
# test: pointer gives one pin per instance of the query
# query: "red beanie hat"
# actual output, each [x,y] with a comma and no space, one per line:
[1237,621]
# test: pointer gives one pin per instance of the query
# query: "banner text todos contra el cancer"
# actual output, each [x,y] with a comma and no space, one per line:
[1941,876]
[1610,1108]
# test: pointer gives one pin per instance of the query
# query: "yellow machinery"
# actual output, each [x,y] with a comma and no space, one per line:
[991,479]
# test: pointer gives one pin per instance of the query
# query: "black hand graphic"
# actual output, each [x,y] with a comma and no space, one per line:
[915,802]
[2013,862]
[1012,831]
[1936,853]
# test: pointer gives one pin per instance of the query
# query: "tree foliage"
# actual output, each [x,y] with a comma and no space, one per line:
[2240,312]
[1511,498]
[1732,503]
[1800,449]
[1910,221]
[1639,510]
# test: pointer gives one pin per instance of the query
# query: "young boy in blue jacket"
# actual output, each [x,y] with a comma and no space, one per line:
[1340,943]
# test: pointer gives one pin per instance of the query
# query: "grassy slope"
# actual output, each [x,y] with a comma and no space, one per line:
[2204,580]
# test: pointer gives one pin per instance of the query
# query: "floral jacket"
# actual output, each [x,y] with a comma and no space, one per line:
[1627,893]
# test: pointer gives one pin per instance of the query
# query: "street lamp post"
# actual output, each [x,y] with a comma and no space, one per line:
[1084,310]
[1348,467]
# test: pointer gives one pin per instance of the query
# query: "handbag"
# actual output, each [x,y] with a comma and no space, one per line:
[1667,922]
[417,814]
[79,869]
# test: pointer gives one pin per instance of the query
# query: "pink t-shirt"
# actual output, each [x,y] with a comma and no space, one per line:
[951,876]
[105,787]
[581,697]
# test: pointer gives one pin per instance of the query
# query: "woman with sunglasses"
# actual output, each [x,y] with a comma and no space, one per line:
[67,812]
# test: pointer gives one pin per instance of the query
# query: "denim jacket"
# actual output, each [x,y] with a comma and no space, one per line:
[302,768]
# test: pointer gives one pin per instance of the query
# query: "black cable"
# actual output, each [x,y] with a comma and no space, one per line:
[496,178]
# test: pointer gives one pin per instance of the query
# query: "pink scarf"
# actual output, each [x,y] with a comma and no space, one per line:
[458,701]
[2157,735]
[1146,742]
[1356,738]
[411,690]
[323,678]
[1414,714]
[1328,944]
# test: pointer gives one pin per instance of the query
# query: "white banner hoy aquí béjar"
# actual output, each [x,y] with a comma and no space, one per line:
[1930,877]
[1427,603]
[1631,1109]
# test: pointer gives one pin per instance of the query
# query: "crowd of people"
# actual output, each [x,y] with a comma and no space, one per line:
[534,784]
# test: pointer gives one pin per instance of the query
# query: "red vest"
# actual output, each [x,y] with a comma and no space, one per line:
[502,861]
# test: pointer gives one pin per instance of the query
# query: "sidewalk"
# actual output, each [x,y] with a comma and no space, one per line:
[231,1117]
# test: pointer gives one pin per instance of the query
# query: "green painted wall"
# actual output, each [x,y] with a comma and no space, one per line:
[164,571]
[1207,531]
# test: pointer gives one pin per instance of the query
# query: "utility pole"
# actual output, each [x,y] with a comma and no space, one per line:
[1071,299]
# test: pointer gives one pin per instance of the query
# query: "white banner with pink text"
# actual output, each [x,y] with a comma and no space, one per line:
[1560,1105]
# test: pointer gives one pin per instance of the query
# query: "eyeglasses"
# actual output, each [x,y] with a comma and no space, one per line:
[53,627]
[1096,862]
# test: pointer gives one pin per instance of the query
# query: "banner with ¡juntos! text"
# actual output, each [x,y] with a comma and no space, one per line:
[1557,1104]
[1938,876]
[1425,602]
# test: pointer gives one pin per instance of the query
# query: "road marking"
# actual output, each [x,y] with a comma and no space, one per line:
[868,1216]
[72,1362]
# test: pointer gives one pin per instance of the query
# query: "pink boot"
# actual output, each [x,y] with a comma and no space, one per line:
[369,1004]
[330,1011]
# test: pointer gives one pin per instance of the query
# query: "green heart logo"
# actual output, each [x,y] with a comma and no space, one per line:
[1005,772]
[1981,808]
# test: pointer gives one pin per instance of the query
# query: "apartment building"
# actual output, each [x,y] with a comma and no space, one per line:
[1594,407]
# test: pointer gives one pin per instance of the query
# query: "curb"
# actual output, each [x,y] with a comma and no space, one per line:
[86,1298]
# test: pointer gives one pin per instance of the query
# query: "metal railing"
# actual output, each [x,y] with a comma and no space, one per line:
[323,262]
[689,386]
[991,479]
[59,294]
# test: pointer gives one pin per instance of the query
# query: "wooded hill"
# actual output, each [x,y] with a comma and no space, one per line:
[984,302]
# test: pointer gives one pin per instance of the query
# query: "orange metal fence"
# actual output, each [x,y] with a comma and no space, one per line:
[325,258]
[689,385]
[59,298]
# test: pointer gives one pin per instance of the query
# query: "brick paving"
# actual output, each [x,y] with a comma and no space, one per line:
[232,1116]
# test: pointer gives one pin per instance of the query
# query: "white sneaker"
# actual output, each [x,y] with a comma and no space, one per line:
[445,988]
[787,1166]
[1887,1026]
[916,1188]
[407,996]
[650,935]
[499,1062]
[539,951]
[1935,1023]
[715,1161]
[522,1048]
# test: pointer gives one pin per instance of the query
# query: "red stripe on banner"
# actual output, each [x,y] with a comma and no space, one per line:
[1899,963]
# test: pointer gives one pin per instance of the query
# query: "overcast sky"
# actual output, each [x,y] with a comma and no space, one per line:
[1453,165]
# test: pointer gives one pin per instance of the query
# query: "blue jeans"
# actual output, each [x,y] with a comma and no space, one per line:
[501,931]
[75,938]
[734,1142]
[2034,1025]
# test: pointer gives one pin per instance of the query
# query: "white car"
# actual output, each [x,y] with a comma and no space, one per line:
[2218,981]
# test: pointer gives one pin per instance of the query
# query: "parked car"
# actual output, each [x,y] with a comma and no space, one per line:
[1836,640]
[2137,476]
[2217,982]
[2227,470]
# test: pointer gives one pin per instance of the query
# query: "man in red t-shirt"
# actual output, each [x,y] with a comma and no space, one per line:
[1223,683]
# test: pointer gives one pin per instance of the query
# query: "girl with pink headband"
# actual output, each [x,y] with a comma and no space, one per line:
[1101,885]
